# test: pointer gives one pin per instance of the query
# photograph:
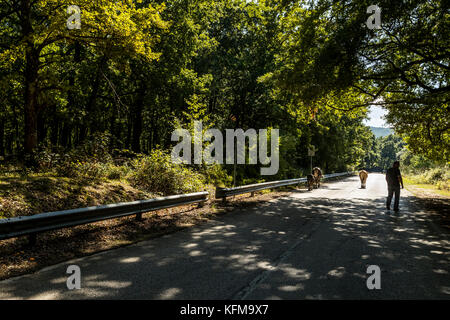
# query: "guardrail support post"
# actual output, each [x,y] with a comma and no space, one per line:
[224,200]
[201,205]
[253,194]
[139,217]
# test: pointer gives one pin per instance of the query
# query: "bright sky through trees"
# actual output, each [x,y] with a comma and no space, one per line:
[376,118]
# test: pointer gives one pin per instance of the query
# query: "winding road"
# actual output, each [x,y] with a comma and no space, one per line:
[310,245]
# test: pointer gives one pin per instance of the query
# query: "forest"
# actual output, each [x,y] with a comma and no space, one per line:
[101,101]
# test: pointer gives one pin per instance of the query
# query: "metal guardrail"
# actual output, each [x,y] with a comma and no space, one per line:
[31,225]
[335,175]
[227,192]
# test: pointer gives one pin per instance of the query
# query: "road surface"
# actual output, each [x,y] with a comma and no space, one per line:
[310,245]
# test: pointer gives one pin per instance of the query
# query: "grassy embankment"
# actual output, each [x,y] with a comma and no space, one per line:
[430,182]
[42,192]
[83,181]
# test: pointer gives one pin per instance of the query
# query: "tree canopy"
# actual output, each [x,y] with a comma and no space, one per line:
[331,59]
[137,69]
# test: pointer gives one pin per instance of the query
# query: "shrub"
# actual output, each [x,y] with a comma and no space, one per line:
[80,169]
[115,172]
[47,158]
[435,175]
[439,176]
[216,175]
[443,185]
[123,156]
[156,173]
[90,159]
[95,149]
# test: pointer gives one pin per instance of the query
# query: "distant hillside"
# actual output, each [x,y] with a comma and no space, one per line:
[381,132]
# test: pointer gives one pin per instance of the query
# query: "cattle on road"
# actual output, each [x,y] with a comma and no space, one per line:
[310,182]
[317,173]
[363,175]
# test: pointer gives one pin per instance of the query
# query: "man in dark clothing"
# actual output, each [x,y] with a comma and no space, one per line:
[394,180]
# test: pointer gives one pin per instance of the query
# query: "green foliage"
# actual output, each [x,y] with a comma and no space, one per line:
[390,150]
[327,52]
[80,169]
[96,149]
[216,175]
[99,97]
[158,174]
[421,169]
[415,162]
[438,176]
[425,128]
[116,172]
[91,159]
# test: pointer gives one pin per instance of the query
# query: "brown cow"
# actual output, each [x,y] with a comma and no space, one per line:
[317,173]
[363,175]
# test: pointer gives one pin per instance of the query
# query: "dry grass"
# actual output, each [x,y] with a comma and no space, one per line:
[33,194]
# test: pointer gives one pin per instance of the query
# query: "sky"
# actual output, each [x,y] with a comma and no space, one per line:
[376,117]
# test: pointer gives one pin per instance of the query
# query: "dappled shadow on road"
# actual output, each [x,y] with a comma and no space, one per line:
[438,209]
[412,252]
[291,248]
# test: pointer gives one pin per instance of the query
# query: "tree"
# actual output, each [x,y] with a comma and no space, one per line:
[328,52]
[38,29]
[138,69]
[390,150]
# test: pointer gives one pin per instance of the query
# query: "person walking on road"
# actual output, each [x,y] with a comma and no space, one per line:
[394,180]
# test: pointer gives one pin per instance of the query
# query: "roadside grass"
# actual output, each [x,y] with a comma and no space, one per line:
[25,195]
[412,185]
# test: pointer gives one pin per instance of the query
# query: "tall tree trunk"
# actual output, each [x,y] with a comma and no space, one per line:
[153,130]
[31,80]
[41,127]
[13,141]
[54,127]
[113,126]
[65,133]
[137,119]
[2,136]
[30,98]
[89,122]
[9,145]
[67,125]
[129,127]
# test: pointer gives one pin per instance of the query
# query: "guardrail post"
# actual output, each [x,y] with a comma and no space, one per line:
[139,217]
[253,194]
[201,205]
[224,200]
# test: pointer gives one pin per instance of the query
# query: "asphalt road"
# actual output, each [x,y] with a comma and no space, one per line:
[310,245]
